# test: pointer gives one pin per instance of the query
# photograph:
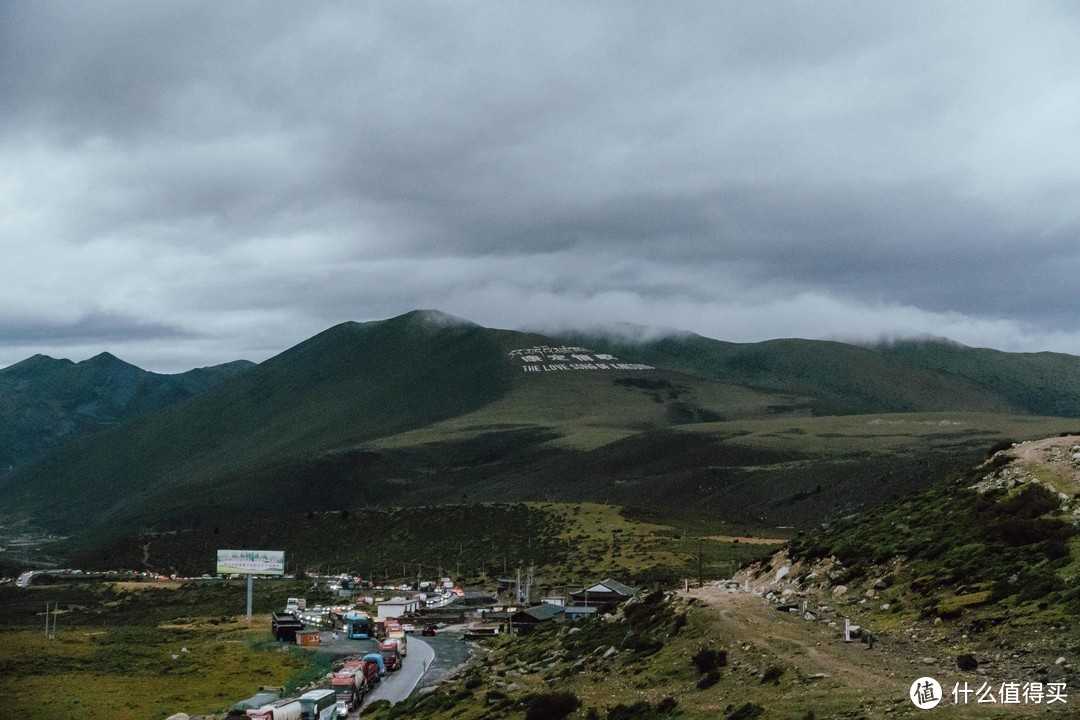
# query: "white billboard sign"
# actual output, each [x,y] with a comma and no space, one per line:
[251,562]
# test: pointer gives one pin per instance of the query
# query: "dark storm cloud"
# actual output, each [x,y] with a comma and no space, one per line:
[248,174]
[104,328]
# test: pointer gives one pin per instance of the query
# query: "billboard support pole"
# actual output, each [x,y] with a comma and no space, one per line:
[249,598]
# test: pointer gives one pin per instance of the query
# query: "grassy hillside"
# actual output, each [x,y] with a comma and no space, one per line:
[841,379]
[350,383]
[971,581]
[566,544]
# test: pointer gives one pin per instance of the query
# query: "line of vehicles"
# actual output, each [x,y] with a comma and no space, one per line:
[350,684]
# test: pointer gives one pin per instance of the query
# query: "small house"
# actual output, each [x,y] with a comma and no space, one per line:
[606,594]
[308,638]
[525,621]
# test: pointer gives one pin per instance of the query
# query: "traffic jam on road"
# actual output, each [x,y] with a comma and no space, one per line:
[331,628]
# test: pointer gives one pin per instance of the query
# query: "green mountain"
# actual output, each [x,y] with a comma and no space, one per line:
[842,379]
[425,408]
[45,402]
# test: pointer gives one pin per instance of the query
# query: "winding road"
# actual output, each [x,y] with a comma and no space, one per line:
[397,686]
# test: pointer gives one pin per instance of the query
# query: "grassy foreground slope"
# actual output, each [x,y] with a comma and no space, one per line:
[972,581]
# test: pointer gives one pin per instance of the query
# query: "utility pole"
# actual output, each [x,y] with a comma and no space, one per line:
[51,634]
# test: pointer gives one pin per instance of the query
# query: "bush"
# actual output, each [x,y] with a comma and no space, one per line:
[749,711]
[709,679]
[552,706]
[772,675]
[667,705]
[638,711]
[706,660]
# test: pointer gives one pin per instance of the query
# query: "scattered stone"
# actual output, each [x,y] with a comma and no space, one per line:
[885,606]
[610,651]
[817,676]
[782,572]
[809,616]
[839,590]
[512,687]
[1060,660]
[928,661]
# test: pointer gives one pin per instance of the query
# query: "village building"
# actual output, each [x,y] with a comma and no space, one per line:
[605,595]
[527,620]
[396,607]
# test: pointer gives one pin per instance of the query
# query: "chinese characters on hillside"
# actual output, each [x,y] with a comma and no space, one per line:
[543,358]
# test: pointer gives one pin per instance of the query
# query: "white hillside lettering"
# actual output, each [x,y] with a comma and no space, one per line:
[544,358]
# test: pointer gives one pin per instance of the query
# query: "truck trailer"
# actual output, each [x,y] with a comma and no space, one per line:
[281,710]
[377,658]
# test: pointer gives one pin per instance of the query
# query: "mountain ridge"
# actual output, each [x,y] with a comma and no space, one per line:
[428,408]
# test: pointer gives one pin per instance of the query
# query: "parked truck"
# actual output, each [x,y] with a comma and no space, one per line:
[281,710]
[377,658]
[371,671]
[402,643]
[347,691]
[390,654]
[368,669]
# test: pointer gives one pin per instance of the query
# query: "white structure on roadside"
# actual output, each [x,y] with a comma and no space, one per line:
[396,607]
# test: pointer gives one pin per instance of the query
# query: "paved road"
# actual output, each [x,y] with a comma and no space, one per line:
[397,685]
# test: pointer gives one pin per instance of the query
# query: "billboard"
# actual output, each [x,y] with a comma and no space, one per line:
[251,562]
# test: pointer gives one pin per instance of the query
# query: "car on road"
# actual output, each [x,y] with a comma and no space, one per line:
[429,630]
[406,627]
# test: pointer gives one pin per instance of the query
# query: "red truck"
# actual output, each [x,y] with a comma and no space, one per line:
[370,668]
[349,685]
[390,654]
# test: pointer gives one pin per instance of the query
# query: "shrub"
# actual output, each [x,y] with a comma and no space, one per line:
[638,711]
[772,675]
[707,659]
[552,706]
[749,711]
[967,662]
[667,705]
[709,679]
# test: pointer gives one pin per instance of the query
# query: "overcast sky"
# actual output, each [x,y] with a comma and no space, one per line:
[184,184]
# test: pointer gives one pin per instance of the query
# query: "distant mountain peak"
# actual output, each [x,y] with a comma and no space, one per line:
[437,318]
[107,359]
